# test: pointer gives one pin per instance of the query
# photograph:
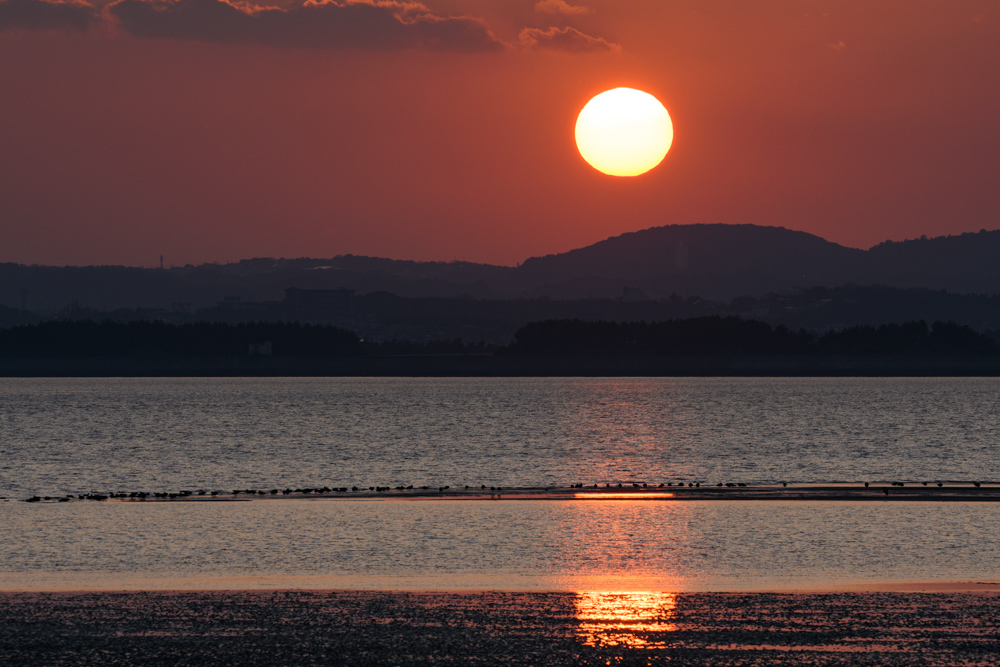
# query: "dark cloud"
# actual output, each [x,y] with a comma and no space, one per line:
[45,15]
[384,25]
[565,39]
[373,24]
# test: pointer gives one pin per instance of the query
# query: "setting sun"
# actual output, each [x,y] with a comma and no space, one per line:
[624,132]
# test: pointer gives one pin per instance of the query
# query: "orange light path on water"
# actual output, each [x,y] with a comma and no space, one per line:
[621,496]
[625,618]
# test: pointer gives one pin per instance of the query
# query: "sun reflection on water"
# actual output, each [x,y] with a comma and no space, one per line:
[628,495]
[624,619]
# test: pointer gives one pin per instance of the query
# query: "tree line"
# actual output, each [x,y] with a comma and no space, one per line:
[144,338]
[702,335]
[87,338]
[733,335]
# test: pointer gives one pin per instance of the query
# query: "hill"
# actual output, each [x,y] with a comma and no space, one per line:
[715,262]
[712,261]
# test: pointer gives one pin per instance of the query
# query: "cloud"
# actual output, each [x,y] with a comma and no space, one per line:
[45,14]
[380,25]
[560,7]
[565,39]
[323,24]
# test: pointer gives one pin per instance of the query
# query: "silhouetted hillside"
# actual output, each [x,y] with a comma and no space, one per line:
[713,262]
[49,289]
[721,262]
[968,263]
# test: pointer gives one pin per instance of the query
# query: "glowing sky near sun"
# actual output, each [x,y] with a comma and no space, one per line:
[204,131]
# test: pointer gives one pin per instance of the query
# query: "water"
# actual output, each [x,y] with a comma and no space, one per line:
[62,436]
[507,545]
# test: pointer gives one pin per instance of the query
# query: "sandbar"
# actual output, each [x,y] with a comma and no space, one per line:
[873,492]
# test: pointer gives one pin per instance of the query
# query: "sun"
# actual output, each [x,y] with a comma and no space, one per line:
[624,132]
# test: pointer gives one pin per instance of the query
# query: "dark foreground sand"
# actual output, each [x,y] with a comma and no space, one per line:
[380,628]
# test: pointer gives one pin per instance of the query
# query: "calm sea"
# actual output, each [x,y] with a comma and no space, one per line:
[74,435]
[71,436]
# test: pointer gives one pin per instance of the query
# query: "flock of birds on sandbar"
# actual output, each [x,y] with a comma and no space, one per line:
[428,490]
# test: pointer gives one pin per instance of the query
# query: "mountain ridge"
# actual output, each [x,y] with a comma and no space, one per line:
[711,261]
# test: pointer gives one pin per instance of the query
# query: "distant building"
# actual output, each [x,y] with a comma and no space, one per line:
[319,304]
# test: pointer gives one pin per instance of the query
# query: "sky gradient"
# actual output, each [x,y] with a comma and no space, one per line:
[207,131]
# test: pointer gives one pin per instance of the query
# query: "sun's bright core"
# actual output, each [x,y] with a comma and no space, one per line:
[624,132]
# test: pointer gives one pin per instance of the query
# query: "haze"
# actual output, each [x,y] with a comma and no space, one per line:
[445,131]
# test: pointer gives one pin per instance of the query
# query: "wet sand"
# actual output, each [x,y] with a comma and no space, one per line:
[595,628]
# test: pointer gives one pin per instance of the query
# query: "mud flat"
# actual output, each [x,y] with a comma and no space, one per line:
[586,628]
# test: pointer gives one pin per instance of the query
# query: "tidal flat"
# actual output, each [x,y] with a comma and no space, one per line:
[564,628]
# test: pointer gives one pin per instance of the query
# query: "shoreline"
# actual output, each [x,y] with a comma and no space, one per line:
[485,365]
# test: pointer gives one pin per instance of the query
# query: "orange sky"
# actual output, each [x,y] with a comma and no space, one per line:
[445,130]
